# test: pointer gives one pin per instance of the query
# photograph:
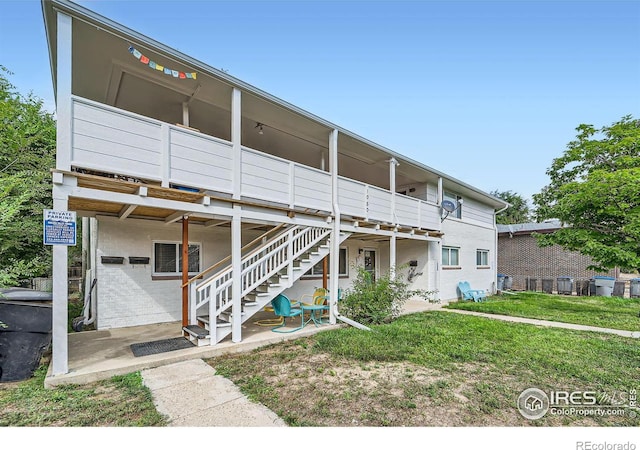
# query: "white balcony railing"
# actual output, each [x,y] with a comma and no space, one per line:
[109,139]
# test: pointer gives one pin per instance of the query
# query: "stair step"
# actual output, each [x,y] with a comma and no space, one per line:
[197,331]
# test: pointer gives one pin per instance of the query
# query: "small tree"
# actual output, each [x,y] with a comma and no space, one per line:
[518,211]
[374,302]
[27,153]
[595,189]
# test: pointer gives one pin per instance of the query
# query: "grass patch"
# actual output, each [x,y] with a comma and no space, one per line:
[433,369]
[121,401]
[606,312]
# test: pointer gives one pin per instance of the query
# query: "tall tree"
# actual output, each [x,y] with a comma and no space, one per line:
[518,211]
[595,189]
[27,153]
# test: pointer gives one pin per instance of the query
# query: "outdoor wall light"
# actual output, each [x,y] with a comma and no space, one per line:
[260,128]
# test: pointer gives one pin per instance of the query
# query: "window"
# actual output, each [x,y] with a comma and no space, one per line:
[456,201]
[482,257]
[167,258]
[342,266]
[450,256]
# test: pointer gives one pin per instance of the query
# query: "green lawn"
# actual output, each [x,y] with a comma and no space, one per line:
[121,401]
[607,312]
[433,369]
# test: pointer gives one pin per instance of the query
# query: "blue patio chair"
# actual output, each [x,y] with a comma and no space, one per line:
[282,308]
[477,295]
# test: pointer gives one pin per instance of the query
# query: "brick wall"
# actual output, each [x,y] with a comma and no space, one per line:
[520,257]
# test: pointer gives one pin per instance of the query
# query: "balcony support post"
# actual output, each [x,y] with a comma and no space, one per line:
[392,187]
[334,260]
[236,140]
[236,287]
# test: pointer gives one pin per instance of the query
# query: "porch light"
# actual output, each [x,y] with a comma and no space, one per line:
[259,126]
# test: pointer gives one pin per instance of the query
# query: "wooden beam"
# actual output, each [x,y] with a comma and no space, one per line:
[185,271]
[174,217]
[215,223]
[126,211]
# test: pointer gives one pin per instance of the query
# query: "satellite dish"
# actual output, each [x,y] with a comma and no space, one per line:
[448,206]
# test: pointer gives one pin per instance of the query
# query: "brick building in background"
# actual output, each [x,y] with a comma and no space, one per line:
[520,257]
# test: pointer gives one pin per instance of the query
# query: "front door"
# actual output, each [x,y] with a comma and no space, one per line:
[370,263]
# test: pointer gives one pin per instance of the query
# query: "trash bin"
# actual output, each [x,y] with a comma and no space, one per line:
[25,331]
[500,282]
[565,285]
[508,282]
[547,285]
[604,285]
[634,288]
[532,284]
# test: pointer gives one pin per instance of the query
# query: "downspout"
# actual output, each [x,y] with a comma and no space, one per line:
[495,227]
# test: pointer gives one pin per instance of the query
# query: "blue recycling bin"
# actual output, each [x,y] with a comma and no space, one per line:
[501,278]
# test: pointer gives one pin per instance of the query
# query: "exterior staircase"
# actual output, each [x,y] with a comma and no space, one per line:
[267,271]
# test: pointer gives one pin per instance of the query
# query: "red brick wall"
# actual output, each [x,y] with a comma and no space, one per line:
[520,257]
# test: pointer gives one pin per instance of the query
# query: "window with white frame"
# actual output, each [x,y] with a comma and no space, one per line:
[450,256]
[455,199]
[343,265]
[167,258]
[482,258]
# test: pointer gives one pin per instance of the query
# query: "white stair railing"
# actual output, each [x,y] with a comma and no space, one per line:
[258,267]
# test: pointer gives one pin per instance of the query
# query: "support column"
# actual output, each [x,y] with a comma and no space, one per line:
[236,263]
[236,140]
[392,256]
[60,343]
[325,272]
[185,271]
[185,114]
[392,187]
[335,233]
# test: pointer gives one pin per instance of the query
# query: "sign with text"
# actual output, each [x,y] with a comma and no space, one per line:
[59,227]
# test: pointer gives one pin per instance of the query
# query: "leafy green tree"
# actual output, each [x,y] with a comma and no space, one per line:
[27,153]
[595,189]
[517,212]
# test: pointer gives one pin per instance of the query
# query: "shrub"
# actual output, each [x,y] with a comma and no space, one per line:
[377,301]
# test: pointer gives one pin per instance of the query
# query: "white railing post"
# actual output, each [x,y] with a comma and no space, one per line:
[292,185]
[236,135]
[193,299]
[290,257]
[165,154]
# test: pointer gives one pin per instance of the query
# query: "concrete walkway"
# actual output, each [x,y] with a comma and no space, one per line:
[190,394]
[547,323]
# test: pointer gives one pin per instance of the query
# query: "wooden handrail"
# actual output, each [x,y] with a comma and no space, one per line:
[228,258]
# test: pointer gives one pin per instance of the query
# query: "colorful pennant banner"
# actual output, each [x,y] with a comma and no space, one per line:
[154,65]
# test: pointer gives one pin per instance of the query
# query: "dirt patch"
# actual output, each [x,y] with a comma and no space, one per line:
[307,388]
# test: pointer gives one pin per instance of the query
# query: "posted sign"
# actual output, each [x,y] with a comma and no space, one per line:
[59,227]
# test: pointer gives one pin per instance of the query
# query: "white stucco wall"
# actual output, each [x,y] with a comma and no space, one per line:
[127,294]
[468,237]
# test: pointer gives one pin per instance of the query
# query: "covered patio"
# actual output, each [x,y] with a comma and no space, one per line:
[101,354]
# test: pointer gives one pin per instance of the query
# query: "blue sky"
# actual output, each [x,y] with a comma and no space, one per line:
[486,91]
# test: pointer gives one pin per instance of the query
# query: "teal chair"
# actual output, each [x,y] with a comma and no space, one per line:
[477,295]
[282,308]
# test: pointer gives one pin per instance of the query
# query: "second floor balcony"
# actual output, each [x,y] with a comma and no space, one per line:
[111,140]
